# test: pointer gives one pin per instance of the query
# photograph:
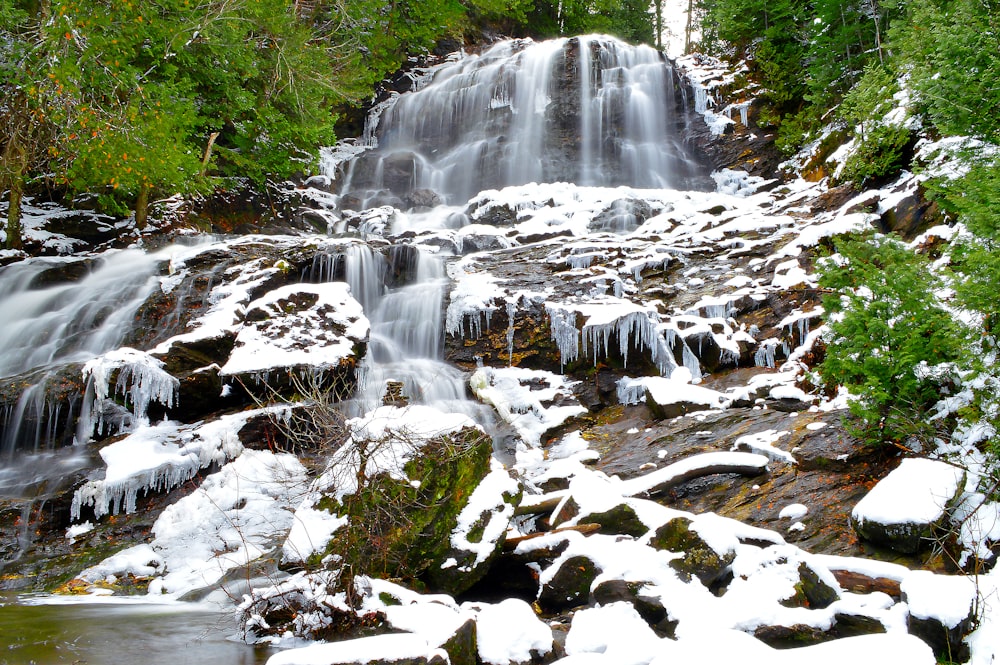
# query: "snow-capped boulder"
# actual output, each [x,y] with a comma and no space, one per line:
[942,611]
[903,511]
[699,558]
[668,398]
[568,583]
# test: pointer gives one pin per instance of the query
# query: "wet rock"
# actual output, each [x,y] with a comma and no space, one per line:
[622,216]
[422,198]
[699,558]
[912,215]
[851,625]
[570,585]
[788,637]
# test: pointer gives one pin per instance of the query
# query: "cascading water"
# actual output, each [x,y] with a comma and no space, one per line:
[588,110]
[405,344]
[58,314]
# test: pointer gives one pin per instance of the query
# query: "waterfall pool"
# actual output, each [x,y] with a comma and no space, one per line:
[44,630]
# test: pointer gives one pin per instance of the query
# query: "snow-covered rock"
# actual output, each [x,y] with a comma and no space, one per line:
[903,510]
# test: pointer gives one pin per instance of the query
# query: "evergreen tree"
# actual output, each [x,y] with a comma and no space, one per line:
[885,321]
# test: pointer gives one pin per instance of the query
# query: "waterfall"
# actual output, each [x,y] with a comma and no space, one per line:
[589,110]
[57,314]
[402,292]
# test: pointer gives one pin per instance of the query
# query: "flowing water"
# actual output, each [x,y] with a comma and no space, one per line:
[588,110]
[119,634]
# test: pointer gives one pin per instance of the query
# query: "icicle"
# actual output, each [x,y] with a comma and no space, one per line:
[630,391]
[511,312]
[562,326]
[141,379]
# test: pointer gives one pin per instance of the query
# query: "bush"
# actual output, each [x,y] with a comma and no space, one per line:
[886,320]
[881,153]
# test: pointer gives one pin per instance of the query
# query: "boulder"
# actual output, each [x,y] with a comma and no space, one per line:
[907,507]
[699,558]
[942,611]
[296,329]
[667,398]
[570,585]
[410,512]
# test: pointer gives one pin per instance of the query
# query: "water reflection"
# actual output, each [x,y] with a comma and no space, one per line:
[119,634]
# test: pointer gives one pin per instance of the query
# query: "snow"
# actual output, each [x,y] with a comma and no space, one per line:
[486,499]
[236,516]
[509,632]
[616,631]
[664,391]
[280,333]
[916,492]
[950,599]
[160,457]
[701,464]
[387,648]
[793,511]
[514,392]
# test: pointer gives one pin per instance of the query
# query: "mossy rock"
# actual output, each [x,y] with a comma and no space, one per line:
[465,564]
[570,586]
[400,529]
[462,647]
[811,591]
[700,559]
[620,519]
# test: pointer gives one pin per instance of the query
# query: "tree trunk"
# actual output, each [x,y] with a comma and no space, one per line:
[142,207]
[658,4]
[688,27]
[14,215]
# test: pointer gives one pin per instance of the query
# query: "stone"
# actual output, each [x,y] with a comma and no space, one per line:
[942,611]
[811,591]
[699,558]
[620,519]
[909,506]
[570,585]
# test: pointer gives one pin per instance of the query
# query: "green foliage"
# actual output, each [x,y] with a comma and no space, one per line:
[952,51]
[881,153]
[973,198]
[881,147]
[885,319]
[629,20]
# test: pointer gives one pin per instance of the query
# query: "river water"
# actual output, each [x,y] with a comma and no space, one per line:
[33,630]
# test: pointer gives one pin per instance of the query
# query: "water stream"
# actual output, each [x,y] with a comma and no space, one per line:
[591,110]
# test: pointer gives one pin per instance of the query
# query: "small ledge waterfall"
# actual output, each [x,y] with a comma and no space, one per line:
[587,110]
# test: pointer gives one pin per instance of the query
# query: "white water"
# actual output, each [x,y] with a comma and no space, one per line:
[49,325]
[406,342]
[588,110]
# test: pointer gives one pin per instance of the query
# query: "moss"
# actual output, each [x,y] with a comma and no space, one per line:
[400,529]
[699,559]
